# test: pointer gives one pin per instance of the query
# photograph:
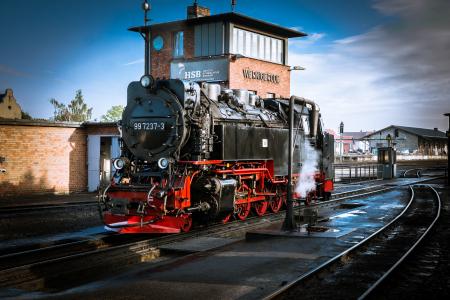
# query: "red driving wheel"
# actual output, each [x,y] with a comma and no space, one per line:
[276,202]
[260,207]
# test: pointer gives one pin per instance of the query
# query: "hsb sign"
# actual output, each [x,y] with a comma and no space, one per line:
[192,74]
[200,70]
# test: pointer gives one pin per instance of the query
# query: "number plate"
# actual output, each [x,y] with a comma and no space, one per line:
[148,125]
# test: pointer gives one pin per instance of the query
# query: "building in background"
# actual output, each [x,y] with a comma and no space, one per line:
[234,50]
[353,142]
[9,108]
[410,140]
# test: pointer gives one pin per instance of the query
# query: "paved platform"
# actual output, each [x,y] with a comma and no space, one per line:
[268,233]
[198,244]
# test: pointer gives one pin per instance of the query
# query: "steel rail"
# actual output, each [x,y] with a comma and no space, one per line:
[36,207]
[417,175]
[411,249]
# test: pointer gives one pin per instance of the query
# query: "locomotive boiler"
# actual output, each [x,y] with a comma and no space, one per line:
[207,153]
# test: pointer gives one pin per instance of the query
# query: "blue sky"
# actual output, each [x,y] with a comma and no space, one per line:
[368,63]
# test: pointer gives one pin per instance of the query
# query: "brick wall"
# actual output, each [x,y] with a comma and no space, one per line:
[45,157]
[160,67]
[238,81]
[42,159]
[196,11]
[102,129]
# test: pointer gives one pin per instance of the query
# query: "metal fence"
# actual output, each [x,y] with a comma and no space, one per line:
[356,172]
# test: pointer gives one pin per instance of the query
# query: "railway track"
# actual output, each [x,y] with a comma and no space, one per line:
[39,269]
[21,209]
[49,271]
[10,258]
[425,271]
[411,173]
[419,172]
[359,271]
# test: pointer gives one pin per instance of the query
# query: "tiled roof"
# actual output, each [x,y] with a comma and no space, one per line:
[422,132]
[356,134]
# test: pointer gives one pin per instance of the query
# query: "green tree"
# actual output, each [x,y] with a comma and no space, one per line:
[26,116]
[113,114]
[76,111]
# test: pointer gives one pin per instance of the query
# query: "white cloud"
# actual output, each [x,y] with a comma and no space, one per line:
[398,73]
[298,28]
[134,62]
[306,42]
[394,7]
[316,36]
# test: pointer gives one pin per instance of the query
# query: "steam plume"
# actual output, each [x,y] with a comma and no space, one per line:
[306,182]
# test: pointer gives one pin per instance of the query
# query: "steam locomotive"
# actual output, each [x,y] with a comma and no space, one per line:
[206,153]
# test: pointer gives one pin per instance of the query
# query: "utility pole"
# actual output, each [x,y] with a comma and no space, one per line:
[289,221]
[448,149]
[341,144]
[146,8]
[233,5]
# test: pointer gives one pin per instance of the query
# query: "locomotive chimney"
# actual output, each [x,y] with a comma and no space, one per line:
[197,11]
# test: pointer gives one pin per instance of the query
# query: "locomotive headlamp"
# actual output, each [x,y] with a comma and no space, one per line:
[119,163]
[163,163]
[147,81]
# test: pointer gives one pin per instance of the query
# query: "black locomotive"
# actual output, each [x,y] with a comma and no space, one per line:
[204,152]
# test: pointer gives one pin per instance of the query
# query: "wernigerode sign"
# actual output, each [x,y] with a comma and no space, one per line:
[262,76]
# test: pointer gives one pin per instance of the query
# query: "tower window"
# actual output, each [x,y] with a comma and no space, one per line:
[178,45]
[257,45]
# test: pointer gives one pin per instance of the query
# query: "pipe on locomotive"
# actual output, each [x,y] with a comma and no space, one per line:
[314,119]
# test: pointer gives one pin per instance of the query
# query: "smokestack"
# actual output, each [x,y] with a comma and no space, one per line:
[197,11]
